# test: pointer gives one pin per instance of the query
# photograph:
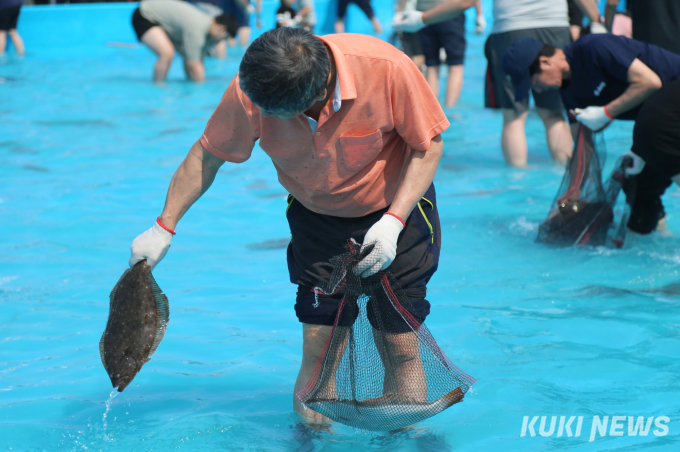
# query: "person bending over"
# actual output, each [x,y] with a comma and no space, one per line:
[353,131]
[166,26]
[607,77]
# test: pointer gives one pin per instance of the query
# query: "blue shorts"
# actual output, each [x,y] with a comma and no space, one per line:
[449,35]
[235,8]
[316,238]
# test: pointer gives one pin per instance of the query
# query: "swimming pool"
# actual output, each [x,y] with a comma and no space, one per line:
[87,149]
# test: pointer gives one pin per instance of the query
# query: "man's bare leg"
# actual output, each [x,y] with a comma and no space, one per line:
[244,36]
[3,41]
[340,26]
[377,27]
[558,134]
[220,49]
[314,338]
[419,61]
[17,41]
[157,40]
[404,372]
[513,137]
[432,76]
[454,85]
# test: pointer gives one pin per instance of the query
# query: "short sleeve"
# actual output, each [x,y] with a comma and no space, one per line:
[229,134]
[613,54]
[416,112]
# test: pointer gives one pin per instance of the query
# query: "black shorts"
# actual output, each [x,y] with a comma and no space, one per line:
[9,18]
[410,44]
[449,35]
[141,24]
[656,135]
[575,14]
[499,92]
[316,238]
[365,6]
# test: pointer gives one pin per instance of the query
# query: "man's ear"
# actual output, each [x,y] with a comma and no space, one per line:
[545,61]
[322,96]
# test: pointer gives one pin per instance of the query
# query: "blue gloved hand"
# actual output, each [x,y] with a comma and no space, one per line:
[384,234]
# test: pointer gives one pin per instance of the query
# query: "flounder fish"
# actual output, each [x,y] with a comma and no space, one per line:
[386,413]
[138,317]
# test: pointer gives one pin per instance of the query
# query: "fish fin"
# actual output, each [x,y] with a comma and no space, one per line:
[112,299]
[163,312]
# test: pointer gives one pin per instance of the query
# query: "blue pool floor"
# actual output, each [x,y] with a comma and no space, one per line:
[87,148]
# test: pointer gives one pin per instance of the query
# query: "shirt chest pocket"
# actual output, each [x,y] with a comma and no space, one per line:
[360,151]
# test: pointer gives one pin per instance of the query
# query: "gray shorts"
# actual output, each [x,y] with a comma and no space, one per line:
[498,92]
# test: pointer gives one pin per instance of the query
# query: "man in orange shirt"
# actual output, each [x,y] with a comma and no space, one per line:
[354,133]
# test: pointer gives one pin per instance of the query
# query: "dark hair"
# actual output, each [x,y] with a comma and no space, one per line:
[228,21]
[284,69]
[546,50]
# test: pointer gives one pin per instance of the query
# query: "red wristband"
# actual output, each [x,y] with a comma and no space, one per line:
[393,215]
[607,113]
[158,220]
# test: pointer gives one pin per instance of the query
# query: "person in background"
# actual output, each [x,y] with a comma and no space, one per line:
[9,16]
[214,9]
[656,22]
[545,20]
[241,10]
[607,77]
[300,14]
[365,6]
[166,26]
[354,132]
[410,42]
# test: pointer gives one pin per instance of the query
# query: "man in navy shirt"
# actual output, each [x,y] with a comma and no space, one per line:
[603,77]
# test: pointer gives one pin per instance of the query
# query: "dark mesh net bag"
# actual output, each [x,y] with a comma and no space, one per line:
[582,211]
[381,368]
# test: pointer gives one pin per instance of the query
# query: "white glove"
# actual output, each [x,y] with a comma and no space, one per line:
[151,245]
[285,20]
[595,118]
[409,22]
[384,233]
[250,9]
[638,164]
[480,25]
[597,28]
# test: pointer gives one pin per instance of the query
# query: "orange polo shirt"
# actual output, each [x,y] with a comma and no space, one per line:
[352,165]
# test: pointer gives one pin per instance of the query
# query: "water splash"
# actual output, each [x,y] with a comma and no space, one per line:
[112,396]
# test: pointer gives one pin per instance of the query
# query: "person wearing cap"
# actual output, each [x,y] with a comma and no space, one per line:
[354,133]
[607,77]
[546,20]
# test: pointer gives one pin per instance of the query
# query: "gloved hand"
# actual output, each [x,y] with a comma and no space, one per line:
[638,164]
[410,22]
[151,245]
[595,118]
[284,19]
[384,233]
[597,28]
[480,25]
[250,9]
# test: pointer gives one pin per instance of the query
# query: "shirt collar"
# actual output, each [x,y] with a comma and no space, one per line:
[345,81]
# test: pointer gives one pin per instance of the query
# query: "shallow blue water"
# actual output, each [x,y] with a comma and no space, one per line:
[87,149]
